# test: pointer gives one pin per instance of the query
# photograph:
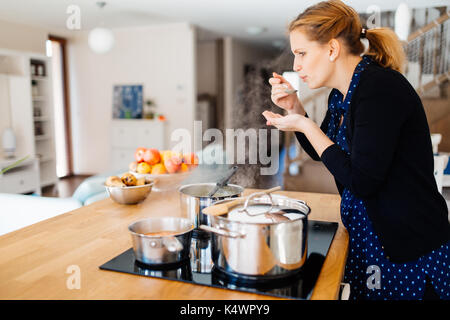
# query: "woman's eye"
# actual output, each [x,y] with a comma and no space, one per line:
[302,53]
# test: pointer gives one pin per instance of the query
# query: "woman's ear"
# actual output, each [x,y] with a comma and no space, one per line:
[334,48]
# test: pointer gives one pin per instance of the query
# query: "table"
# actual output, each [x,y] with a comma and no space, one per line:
[41,260]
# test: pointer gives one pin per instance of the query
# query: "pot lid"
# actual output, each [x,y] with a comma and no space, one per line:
[262,210]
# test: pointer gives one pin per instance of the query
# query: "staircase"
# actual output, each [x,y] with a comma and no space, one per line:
[428,53]
[428,70]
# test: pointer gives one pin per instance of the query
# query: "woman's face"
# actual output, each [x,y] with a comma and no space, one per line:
[312,60]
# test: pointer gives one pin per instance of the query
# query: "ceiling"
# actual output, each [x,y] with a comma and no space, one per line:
[214,17]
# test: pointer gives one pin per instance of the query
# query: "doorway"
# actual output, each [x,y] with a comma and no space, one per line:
[56,48]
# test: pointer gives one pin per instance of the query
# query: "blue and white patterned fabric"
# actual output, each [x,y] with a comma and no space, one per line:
[366,256]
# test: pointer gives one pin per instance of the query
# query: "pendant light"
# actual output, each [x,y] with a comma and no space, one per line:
[101,40]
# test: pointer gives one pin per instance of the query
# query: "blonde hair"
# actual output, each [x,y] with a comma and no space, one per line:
[333,19]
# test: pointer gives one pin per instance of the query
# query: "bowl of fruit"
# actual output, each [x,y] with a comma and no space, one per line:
[166,168]
[128,189]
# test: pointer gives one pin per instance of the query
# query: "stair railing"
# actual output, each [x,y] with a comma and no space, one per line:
[429,46]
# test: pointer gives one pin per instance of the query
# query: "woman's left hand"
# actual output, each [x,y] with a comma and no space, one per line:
[290,122]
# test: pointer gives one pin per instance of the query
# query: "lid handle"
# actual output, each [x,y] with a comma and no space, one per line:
[256,194]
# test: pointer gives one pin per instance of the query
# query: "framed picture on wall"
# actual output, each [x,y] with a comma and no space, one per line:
[127,101]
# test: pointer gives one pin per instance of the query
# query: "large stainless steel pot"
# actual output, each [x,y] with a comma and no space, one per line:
[161,249]
[266,237]
[194,198]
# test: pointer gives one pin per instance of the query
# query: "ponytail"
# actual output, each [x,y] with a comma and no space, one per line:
[334,19]
[385,48]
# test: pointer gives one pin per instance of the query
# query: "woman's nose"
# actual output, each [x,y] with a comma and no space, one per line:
[296,67]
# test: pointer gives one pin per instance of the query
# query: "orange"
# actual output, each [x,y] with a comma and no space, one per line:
[158,169]
[184,167]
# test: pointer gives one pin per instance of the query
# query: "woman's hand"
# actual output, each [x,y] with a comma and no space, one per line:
[286,101]
[297,122]
[290,122]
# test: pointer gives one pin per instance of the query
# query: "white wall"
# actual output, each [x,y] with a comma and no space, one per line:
[162,58]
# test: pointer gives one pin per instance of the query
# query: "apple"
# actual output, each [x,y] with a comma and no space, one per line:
[151,156]
[144,168]
[139,154]
[172,164]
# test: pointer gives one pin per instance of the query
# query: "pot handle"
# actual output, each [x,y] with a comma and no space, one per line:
[222,232]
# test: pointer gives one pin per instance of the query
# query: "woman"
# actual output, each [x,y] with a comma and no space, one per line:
[376,142]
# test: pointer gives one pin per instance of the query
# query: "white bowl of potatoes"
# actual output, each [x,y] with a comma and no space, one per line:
[128,189]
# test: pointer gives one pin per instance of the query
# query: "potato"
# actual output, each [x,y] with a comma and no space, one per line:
[113,181]
[129,179]
[117,184]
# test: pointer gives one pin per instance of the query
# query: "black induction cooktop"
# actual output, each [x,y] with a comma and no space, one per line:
[200,270]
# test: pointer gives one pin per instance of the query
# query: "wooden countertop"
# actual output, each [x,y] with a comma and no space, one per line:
[35,261]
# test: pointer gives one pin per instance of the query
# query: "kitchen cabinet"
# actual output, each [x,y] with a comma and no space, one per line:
[23,178]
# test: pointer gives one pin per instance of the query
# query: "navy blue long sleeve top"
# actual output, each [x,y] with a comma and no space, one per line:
[390,164]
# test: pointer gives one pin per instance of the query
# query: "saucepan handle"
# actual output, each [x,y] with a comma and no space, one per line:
[222,232]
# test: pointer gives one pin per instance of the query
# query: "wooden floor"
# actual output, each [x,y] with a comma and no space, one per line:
[65,187]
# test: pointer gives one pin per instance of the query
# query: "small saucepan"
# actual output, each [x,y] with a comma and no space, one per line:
[158,241]
[195,197]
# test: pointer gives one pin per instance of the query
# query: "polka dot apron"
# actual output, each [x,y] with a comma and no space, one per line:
[370,274]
